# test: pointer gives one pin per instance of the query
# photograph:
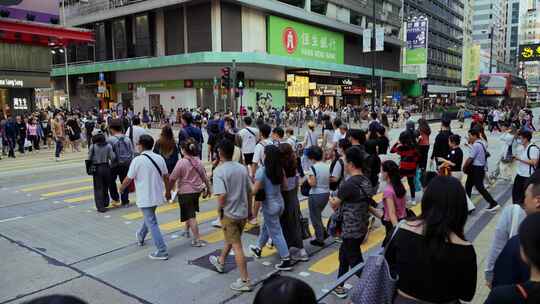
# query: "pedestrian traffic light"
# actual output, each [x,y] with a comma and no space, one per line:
[240,80]
[226,77]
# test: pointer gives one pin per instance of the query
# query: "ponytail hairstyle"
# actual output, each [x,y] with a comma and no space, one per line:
[529,236]
[392,169]
[190,147]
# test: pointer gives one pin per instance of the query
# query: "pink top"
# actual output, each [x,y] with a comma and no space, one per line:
[32,129]
[187,173]
[400,203]
[424,139]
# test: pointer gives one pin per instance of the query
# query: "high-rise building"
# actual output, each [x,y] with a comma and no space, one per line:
[292,52]
[444,45]
[516,11]
[530,34]
[489,30]
[470,62]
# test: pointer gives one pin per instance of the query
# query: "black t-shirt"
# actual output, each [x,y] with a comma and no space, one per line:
[456,156]
[510,294]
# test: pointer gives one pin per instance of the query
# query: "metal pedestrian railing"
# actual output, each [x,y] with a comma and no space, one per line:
[344,278]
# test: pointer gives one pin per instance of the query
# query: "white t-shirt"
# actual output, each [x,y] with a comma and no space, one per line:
[137,132]
[496,116]
[148,183]
[338,136]
[249,139]
[526,170]
[258,157]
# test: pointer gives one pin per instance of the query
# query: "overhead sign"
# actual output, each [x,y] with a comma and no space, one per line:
[529,52]
[14,83]
[20,103]
[294,39]
[416,53]
[379,38]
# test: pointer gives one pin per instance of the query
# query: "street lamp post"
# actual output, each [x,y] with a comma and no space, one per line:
[491,51]
[68,99]
[373,58]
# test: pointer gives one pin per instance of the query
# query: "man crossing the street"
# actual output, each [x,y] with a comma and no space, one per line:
[123,149]
[232,186]
[149,172]
[527,161]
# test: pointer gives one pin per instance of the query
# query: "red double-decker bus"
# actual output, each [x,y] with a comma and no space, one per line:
[498,90]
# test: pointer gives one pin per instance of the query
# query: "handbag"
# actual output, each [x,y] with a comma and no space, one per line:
[376,284]
[304,224]
[335,223]
[91,168]
[306,187]
[508,156]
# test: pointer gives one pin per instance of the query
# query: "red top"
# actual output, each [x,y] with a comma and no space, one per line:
[409,158]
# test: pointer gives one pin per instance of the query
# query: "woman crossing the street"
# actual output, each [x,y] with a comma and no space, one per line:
[409,157]
[191,179]
[101,154]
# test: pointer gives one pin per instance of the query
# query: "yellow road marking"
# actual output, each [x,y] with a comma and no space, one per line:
[161,209]
[201,217]
[330,263]
[45,186]
[79,199]
[51,164]
[68,191]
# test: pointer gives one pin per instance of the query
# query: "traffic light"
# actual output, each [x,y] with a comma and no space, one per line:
[226,77]
[240,80]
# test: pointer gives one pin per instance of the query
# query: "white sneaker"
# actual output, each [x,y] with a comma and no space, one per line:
[217,223]
[241,285]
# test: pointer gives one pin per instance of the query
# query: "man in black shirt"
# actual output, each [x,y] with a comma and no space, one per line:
[441,147]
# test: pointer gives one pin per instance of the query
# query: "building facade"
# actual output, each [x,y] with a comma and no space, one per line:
[445,46]
[489,30]
[517,9]
[530,34]
[292,52]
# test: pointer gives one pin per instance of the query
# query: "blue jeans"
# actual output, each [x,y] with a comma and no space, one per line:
[272,228]
[59,147]
[150,223]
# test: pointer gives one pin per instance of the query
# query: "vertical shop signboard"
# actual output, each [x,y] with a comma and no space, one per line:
[416,53]
[294,39]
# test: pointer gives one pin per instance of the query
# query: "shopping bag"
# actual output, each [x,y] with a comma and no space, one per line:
[418,180]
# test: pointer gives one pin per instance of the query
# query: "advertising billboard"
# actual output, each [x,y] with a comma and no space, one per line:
[36,10]
[416,52]
[293,39]
[529,52]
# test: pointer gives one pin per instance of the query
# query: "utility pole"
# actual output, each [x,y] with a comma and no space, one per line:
[373,58]
[491,50]
[68,100]
[233,88]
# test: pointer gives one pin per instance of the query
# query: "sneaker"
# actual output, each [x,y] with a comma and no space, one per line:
[241,285]
[493,208]
[412,202]
[301,256]
[198,243]
[257,252]
[57,159]
[186,234]
[253,222]
[340,292]
[285,265]
[316,243]
[115,203]
[158,256]
[338,240]
[214,260]
[217,223]
[140,240]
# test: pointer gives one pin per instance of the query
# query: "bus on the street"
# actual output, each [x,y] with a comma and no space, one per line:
[497,90]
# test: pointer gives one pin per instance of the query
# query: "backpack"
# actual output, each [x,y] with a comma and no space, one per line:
[531,168]
[334,185]
[124,153]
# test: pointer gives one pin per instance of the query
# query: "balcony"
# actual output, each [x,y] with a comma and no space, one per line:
[78,8]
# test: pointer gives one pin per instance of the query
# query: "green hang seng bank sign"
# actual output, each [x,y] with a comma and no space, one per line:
[293,39]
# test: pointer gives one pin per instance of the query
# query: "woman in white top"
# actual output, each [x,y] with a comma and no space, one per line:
[319,179]
[311,139]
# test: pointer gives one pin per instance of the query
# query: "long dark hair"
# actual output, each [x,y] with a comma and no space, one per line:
[166,142]
[288,159]
[444,210]
[529,236]
[423,126]
[392,169]
[272,164]
[406,139]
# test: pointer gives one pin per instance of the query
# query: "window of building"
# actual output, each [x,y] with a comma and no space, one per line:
[143,38]
[119,38]
[298,3]
[319,6]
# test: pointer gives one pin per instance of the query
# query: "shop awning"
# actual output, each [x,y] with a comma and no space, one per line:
[222,58]
[37,33]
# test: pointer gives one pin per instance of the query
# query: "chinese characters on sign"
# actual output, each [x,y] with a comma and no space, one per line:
[294,39]
[529,52]
[417,47]
[297,86]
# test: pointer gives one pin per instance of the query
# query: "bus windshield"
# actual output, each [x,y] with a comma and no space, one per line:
[492,82]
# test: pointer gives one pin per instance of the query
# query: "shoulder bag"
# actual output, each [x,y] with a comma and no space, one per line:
[91,168]
[306,187]
[201,176]
[376,284]
[155,165]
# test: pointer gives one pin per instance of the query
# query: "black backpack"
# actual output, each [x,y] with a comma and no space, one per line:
[531,168]
[334,185]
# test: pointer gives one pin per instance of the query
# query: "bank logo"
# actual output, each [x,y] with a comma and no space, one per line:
[290,40]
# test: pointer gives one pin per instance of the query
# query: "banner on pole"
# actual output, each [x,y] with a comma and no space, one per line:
[366,40]
[379,38]
[416,53]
